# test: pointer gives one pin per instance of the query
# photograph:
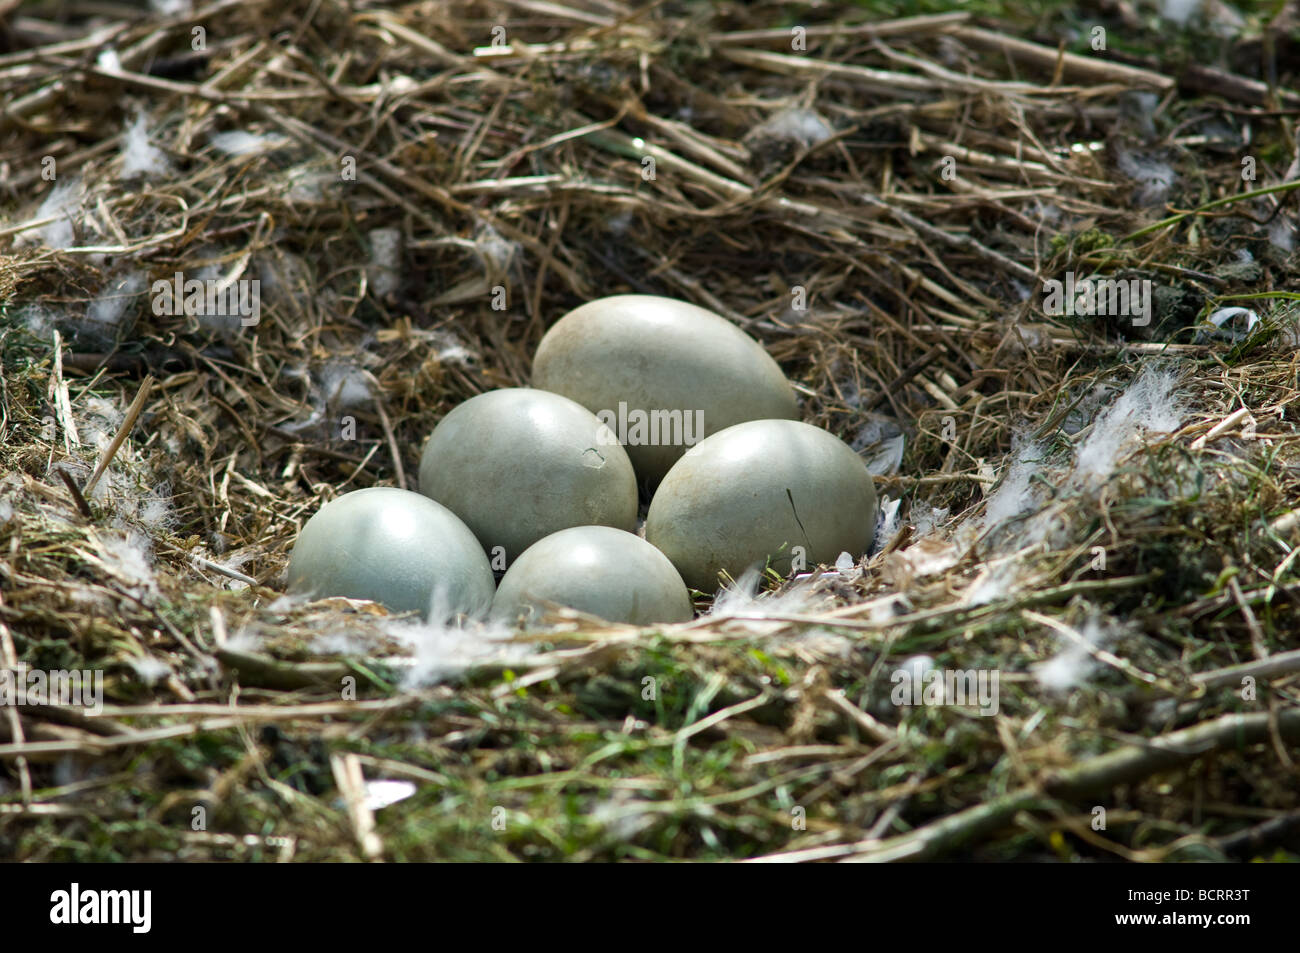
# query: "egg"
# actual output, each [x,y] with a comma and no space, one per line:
[662,374]
[395,547]
[597,570]
[777,489]
[518,464]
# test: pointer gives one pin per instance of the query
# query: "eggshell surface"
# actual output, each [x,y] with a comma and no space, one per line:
[777,489]
[598,570]
[519,464]
[679,372]
[395,547]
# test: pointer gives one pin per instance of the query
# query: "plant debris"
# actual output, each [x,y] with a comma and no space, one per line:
[1089,574]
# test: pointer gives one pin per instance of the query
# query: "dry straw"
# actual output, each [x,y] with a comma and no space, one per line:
[879,207]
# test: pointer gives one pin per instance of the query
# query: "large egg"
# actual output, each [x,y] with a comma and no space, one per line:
[598,570]
[777,489]
[395,547]
[663,374]
[519,464]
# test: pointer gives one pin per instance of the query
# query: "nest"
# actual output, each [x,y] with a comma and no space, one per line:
[1090,510]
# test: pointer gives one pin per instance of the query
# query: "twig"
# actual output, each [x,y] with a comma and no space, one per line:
[905,375]
[964,242]
[58,396]
[1100,654]
[1085,70]
[1122,766]
[928,23]
[934,479]
[226,571]
[1252,623]
[132,414]
[718,717]
[1209,206]
[263,671]
[1260,835]
[9,658]
[387,426]
[875,730]
[232,717]
[352,785]
[1221,427]
[77,497]
[1221,83]
[1274,666]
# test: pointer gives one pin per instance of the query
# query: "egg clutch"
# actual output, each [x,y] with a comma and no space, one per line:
[630,392]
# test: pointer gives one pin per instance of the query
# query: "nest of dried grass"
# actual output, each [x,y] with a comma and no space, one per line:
[1102,512]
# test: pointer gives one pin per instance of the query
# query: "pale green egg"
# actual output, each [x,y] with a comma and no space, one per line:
[395,547]
[597,570]
[518,464]
[663,374]
[776,490]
